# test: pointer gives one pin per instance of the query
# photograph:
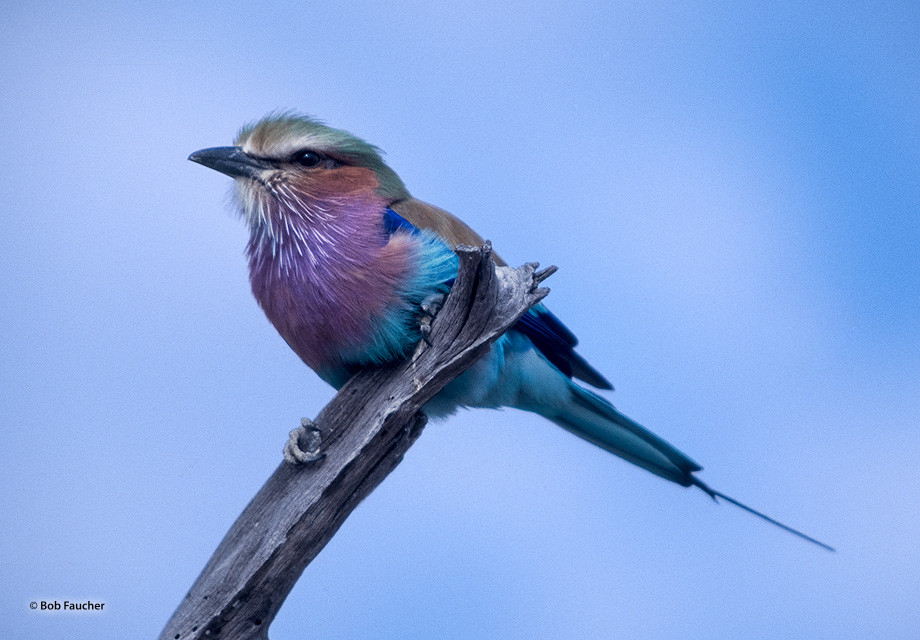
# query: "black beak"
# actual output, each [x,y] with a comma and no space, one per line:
[232,161]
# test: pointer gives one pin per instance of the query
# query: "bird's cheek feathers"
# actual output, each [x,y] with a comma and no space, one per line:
[339,185]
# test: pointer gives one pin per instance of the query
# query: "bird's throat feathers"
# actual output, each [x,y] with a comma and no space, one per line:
[322,266]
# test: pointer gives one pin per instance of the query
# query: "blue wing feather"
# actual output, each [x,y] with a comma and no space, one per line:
[393,222]
[547,333]
[557,344]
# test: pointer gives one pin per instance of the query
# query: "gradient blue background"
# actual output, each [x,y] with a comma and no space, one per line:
[732,196]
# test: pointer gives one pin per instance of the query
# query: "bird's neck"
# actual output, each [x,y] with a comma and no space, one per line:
[310,240]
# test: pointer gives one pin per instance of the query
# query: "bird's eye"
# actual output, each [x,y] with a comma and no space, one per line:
[307,158]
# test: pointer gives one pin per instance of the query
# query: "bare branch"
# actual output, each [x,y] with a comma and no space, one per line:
[366,429]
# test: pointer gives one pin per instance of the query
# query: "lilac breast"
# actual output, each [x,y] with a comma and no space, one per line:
[325,282]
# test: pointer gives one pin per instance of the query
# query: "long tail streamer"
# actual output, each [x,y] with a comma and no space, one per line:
[718,494]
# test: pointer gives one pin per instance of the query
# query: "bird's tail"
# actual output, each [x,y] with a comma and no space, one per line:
[591,417]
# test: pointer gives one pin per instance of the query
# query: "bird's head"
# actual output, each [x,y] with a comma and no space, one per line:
[292,166]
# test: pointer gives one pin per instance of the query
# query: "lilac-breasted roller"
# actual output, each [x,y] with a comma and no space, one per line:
[345,263]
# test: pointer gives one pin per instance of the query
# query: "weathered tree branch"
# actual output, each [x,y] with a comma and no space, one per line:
[366,429]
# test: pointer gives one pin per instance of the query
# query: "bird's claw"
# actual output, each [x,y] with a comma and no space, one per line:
[424,328]
[304,444]
[538,277]
[429,309]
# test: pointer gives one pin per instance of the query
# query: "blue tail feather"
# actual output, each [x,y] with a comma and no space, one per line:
[591,417]
[596,420]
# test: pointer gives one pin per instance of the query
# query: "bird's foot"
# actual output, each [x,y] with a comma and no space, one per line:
[304,444]
[540,276]
[429,308]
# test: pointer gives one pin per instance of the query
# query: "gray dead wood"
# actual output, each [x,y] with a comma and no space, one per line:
[366,429]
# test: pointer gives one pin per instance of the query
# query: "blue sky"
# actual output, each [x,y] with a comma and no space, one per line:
[731,194]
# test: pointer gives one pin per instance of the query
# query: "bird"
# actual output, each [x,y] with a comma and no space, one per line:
[346,263]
